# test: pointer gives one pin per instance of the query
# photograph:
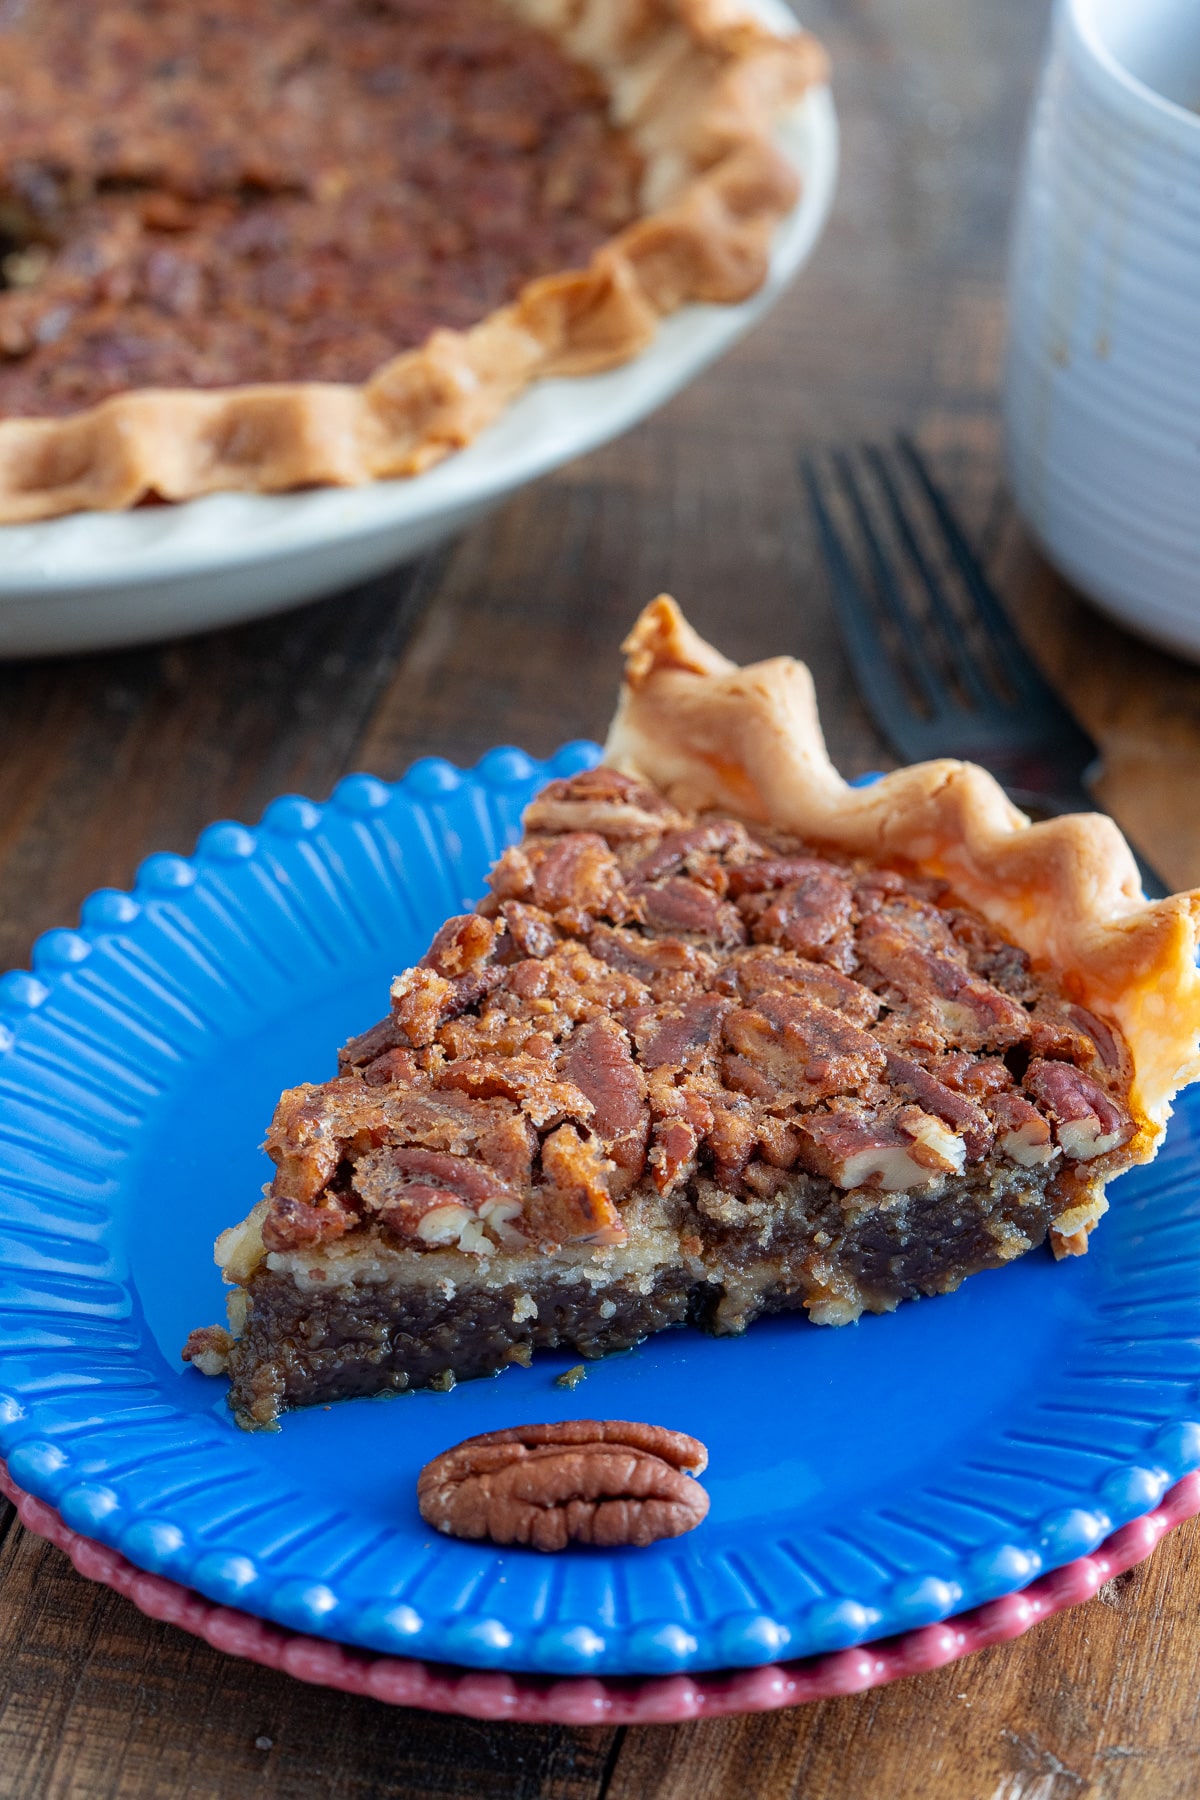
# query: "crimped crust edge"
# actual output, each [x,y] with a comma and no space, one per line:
[711,735]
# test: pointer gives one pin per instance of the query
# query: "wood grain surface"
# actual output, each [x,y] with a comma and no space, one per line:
[511,635]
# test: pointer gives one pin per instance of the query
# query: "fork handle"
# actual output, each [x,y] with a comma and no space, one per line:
[1079,800]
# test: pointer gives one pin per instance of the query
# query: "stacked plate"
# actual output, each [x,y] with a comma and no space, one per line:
[979,1451]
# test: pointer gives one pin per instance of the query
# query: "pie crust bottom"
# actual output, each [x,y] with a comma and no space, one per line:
[371,1319]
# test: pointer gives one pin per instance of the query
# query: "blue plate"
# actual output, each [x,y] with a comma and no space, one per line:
[863,1481]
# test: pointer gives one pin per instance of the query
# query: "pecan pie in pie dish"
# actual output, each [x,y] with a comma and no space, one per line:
[726,1037]
[262,244]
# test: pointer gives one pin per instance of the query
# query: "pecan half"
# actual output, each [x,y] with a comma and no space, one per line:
[1021,1131]
[894,1153]
[962,1115]
[681,905]
[526,1080]
[295,1225]
[1087,1121]
[680,1036]
[573,1205]
[577,873]
[422,1000]
[462,946]
[973,1013]
[597,1061]
[680,849]
[810,915]
[435,1199]
[802,1047]
[586,1481]
[671,968]
[603,801]
[370,1045]
[762,971]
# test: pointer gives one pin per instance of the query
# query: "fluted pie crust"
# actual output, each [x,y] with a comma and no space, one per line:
[697,85]
[711,735]
[727,1037]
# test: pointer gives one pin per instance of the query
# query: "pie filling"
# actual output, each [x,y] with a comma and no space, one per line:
[264,191]
[673,1069]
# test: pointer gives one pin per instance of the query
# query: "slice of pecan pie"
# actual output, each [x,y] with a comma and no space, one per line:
[726,1037]
[260,244]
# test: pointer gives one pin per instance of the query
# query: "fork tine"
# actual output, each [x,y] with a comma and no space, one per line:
[962,661]
[890,593]
[1015,658]
[883,690]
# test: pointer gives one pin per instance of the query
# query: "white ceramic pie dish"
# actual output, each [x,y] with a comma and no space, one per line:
[98,580]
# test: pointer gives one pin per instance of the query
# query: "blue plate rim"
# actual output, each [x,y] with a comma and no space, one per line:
[47,1461]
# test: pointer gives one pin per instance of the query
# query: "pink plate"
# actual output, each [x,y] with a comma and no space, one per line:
[580,1700]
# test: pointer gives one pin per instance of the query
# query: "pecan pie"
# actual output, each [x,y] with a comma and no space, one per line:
[259,243]
[726,1037]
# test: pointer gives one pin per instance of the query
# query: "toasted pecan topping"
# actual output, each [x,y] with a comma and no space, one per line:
[697,847]
[574,1203]
[597,1059]
[294,1225]
[461,947]
[605,801]
[602,1030]
[688,908]
[585,1481]
[962,1115]
[1087,1121]
[803,1048]
[970,1011]
[907,1148]
[811,915]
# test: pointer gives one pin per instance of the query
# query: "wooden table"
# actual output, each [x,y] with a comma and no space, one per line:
[512,635]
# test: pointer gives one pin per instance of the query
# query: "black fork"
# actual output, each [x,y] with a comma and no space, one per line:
[942,671]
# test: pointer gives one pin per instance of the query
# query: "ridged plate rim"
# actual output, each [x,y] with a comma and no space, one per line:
[91,1420]
[584,1700]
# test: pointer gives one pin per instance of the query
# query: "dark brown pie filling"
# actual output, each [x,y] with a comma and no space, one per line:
[201,195]
[672,1069]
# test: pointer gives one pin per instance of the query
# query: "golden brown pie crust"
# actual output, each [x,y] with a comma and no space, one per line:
[710,735]
[697,85]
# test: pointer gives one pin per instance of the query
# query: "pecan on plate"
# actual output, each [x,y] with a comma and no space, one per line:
[586,1481]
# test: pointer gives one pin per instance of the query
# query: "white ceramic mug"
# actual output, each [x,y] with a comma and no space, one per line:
[1102,386]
